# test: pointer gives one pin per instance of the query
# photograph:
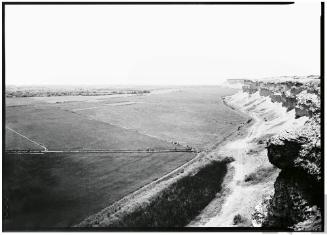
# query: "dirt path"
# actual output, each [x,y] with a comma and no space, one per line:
[34,142]
[243,197]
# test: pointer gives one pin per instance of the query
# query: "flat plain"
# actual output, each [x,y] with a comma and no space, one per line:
[194,116]
[59,129]
[59,190]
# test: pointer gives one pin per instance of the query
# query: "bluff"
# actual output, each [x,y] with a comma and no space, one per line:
[298,198]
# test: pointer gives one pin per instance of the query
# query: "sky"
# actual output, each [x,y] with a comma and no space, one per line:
[159,45]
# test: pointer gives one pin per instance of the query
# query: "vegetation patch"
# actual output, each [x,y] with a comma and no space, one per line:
[241,221]
[260,175]
[178,204]
[262,140]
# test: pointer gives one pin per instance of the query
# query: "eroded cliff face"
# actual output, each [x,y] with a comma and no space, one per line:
[303,94]
[298,198]
[297,201]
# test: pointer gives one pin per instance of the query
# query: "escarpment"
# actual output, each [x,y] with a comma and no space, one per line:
[298,198]
[302,94]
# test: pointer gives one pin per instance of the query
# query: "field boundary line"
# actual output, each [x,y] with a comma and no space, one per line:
[34,142]
[28,151]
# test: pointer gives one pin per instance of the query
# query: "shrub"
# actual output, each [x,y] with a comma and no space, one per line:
[238,219]
[177,205]
[260,175]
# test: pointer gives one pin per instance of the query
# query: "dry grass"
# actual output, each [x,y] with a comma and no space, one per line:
[260,175]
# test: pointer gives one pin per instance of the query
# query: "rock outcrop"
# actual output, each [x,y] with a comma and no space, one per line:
[298,198]
[296,204]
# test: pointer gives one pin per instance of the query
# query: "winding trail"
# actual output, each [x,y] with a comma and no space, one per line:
[243,197]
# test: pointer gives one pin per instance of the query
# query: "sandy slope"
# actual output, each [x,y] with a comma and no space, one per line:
[250,156]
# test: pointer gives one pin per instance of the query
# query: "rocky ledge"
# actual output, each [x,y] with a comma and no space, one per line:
[298,198]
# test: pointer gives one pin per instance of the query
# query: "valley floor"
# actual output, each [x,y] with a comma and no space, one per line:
[60,189]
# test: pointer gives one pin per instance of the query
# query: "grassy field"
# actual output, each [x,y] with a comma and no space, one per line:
[59,129]
[190,116]
[59,190]
[193,116]
[43,191]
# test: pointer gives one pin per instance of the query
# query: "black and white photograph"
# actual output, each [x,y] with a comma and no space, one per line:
[163,116]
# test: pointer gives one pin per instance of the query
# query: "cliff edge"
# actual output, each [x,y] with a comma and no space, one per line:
[298,198]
